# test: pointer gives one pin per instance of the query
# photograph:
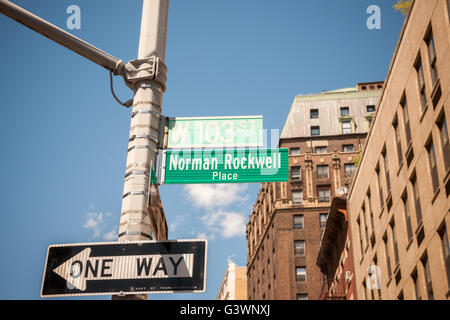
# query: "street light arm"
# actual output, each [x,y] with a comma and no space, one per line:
[62,37]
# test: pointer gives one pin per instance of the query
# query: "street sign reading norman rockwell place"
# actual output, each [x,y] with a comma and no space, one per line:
[224,166]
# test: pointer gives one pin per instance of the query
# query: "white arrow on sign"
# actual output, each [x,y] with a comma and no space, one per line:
[81,268]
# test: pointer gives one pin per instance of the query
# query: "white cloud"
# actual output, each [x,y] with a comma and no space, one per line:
[215,195]
[178,220]
[98,222]
[91,223]
[233,225]
[228,224]
[110,236]
[230,258]
[202,235]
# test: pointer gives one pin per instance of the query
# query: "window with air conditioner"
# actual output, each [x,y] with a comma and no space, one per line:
[300,274]
[296,173]
[299,247]
[297,196]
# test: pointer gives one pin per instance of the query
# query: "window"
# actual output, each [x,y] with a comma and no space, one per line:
[377,290]
[380,188]
[297,197]
[416,283]
[346,127]
[370,108]
[347,148]
[299,247]
[421,81]
[406,120]
[296,173]
[298,221]
[379,86]
[345,112]
[361,244]
[398,141]
[432,56]
[322,171]
[369,209]
[320,149]
[443,132]
[388,256]
[394,242]
[315,131]
[427,274]
[349,169]
[386,170]
[363,87]
[323,220]
[407,215]
[416,199]
[443,235]
[364,289]
[314,113]
[294,151]
[300,274]
[433,166]
[366,233]
[324,194]
[302,296]
[448,7]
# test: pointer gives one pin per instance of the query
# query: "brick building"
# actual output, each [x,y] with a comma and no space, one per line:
[324,133]
[399,202]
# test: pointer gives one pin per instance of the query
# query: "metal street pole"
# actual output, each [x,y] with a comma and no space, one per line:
[135,220]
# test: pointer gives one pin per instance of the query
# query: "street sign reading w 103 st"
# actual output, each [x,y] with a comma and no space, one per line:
[215,132]
[115,268]
[224,166]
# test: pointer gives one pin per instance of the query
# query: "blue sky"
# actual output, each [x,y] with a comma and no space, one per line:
[63,138]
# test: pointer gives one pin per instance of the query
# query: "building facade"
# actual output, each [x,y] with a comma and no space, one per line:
[399,201]
[234,283]
[324,133]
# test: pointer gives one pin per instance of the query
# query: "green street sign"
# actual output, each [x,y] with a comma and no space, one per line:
[224,166]
[215,132]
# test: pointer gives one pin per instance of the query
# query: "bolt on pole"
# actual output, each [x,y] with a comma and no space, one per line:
[135,222]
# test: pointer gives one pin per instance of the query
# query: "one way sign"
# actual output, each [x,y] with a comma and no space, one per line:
[116,268]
